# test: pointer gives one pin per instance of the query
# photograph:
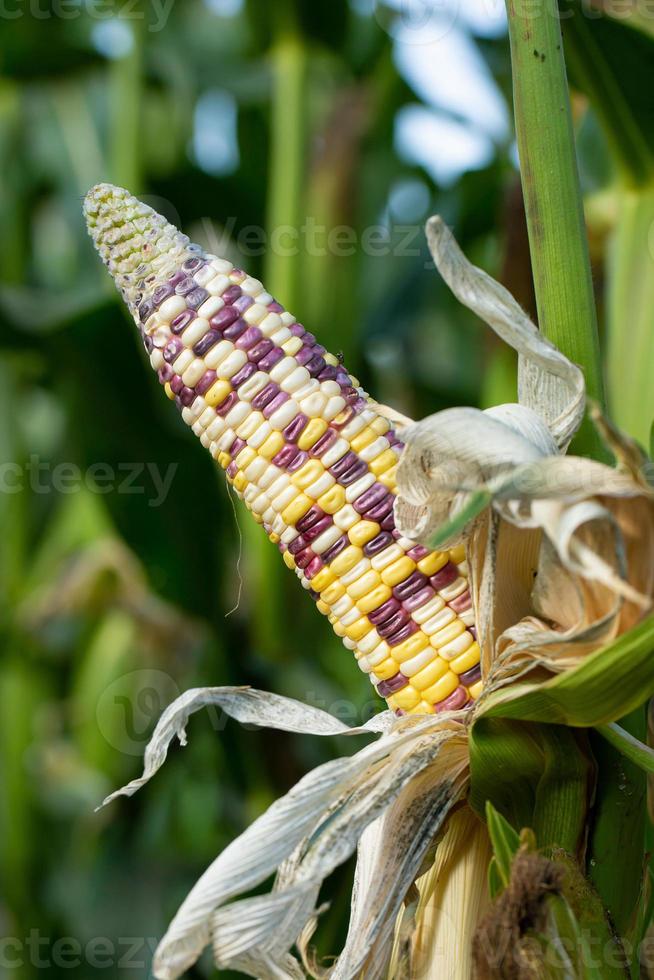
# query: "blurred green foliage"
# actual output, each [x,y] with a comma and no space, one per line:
[110,605]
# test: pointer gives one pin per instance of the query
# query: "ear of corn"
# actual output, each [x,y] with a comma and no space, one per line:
[299,441]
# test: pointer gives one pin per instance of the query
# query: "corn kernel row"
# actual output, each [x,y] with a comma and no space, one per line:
[303,447]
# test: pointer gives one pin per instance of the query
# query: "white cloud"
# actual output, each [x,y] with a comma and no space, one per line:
[445,148]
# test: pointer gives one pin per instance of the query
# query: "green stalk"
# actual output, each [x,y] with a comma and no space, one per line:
[282,276]
[553,203]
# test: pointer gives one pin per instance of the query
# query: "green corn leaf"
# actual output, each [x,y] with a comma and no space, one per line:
[505,841]
[629,746]
[607,685]
[478,502]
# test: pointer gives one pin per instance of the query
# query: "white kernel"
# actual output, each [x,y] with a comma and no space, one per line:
[218,354]
[467,617]
[171,308]
[205,440]
[288,319]
[218,285]
[157,359]
[428,610]
[326,540]
[437,622]
[288,534]
[225,440]
[354,491]
[251,493]
[346,517]
[182,361]
[268,516]
[292,346]
[313,405]
[334,407]
[252,287]
[335,452]
[280,483]
[284,414]
[456,646]
[204,275]
[420,660]
[270,324]
[250,426]
[259,437]
[342,605]
[194,372]
[281,336]
[268,477]
[253,386]
[233,363]
[386,557]
[210,307]
[222,266]
[282,369]
[455,589]
[354,426]
[278,525]
[295,380]
[255,314]
[260,503]
[265,299]
[238,414]
[330,388]
[207,417]
[321,485]
[309,388]
[195,331]
[372,645]
[348,643]
[285,498]
[375,449]
[350,617]
[355,573]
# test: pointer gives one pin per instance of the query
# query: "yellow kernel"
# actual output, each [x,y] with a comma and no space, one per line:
[430,674]
[217,393]
[296,509]
[467,660]
[380,425]
[374,599]
[346,560]
[292,346]
[332,501]
[246,456]
[363,439]
[321,606]
[447,634]
[333,592]
[411,647]
[324,578]
[433,563]
[169,392]
[363,532]
[308,474]
[441,689]
[422,708]
[458,554]
[312,433]
[405,699]
[336,626]
[358,629]
[399,570]
[363,585]
[272,445]
[383,462]
[289,560]
[387,668]
[475,689]
[224,459]
[240,482]
[389,479]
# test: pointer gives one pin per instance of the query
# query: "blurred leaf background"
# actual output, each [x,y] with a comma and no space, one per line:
[309,140]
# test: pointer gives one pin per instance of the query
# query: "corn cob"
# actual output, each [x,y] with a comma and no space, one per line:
[303,447]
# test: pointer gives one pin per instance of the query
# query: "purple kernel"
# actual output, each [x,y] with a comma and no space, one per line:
[297,329]
[303,356]
[473,632]
[328,373]
[419,599]
[370,498]
[462,602]
[224,318]
[387,523]
[384,612]
[377,544]
[393,625]
[235,330]
[412,584]
[261,349]
[172,349]
[237,446]
[447,574]
[312,569]
[268,362]
[206,343]
[182,320]
[197,297]
[248,339]
[192,264]
[176,277]
[161,293]
[295,428]
[344,464]
[165,373]
[349,415]
[232,470]
[354,473]
[275,307]
[312,516]
[455,701]
[276,403]
[309,338]
[187,396]
[326,440]
[381,513]
[241,376]
[145,309]
[392,685]
[298,461]
[298,544]
[471,676]
[186,286]
[315,365]
[317,529]
[335,549]
[231,294]
[418,552]
[285,455]
[227,404]
[313,594]
[264,396]
[304,558]
[243,303]
[205,382]
[403,634]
